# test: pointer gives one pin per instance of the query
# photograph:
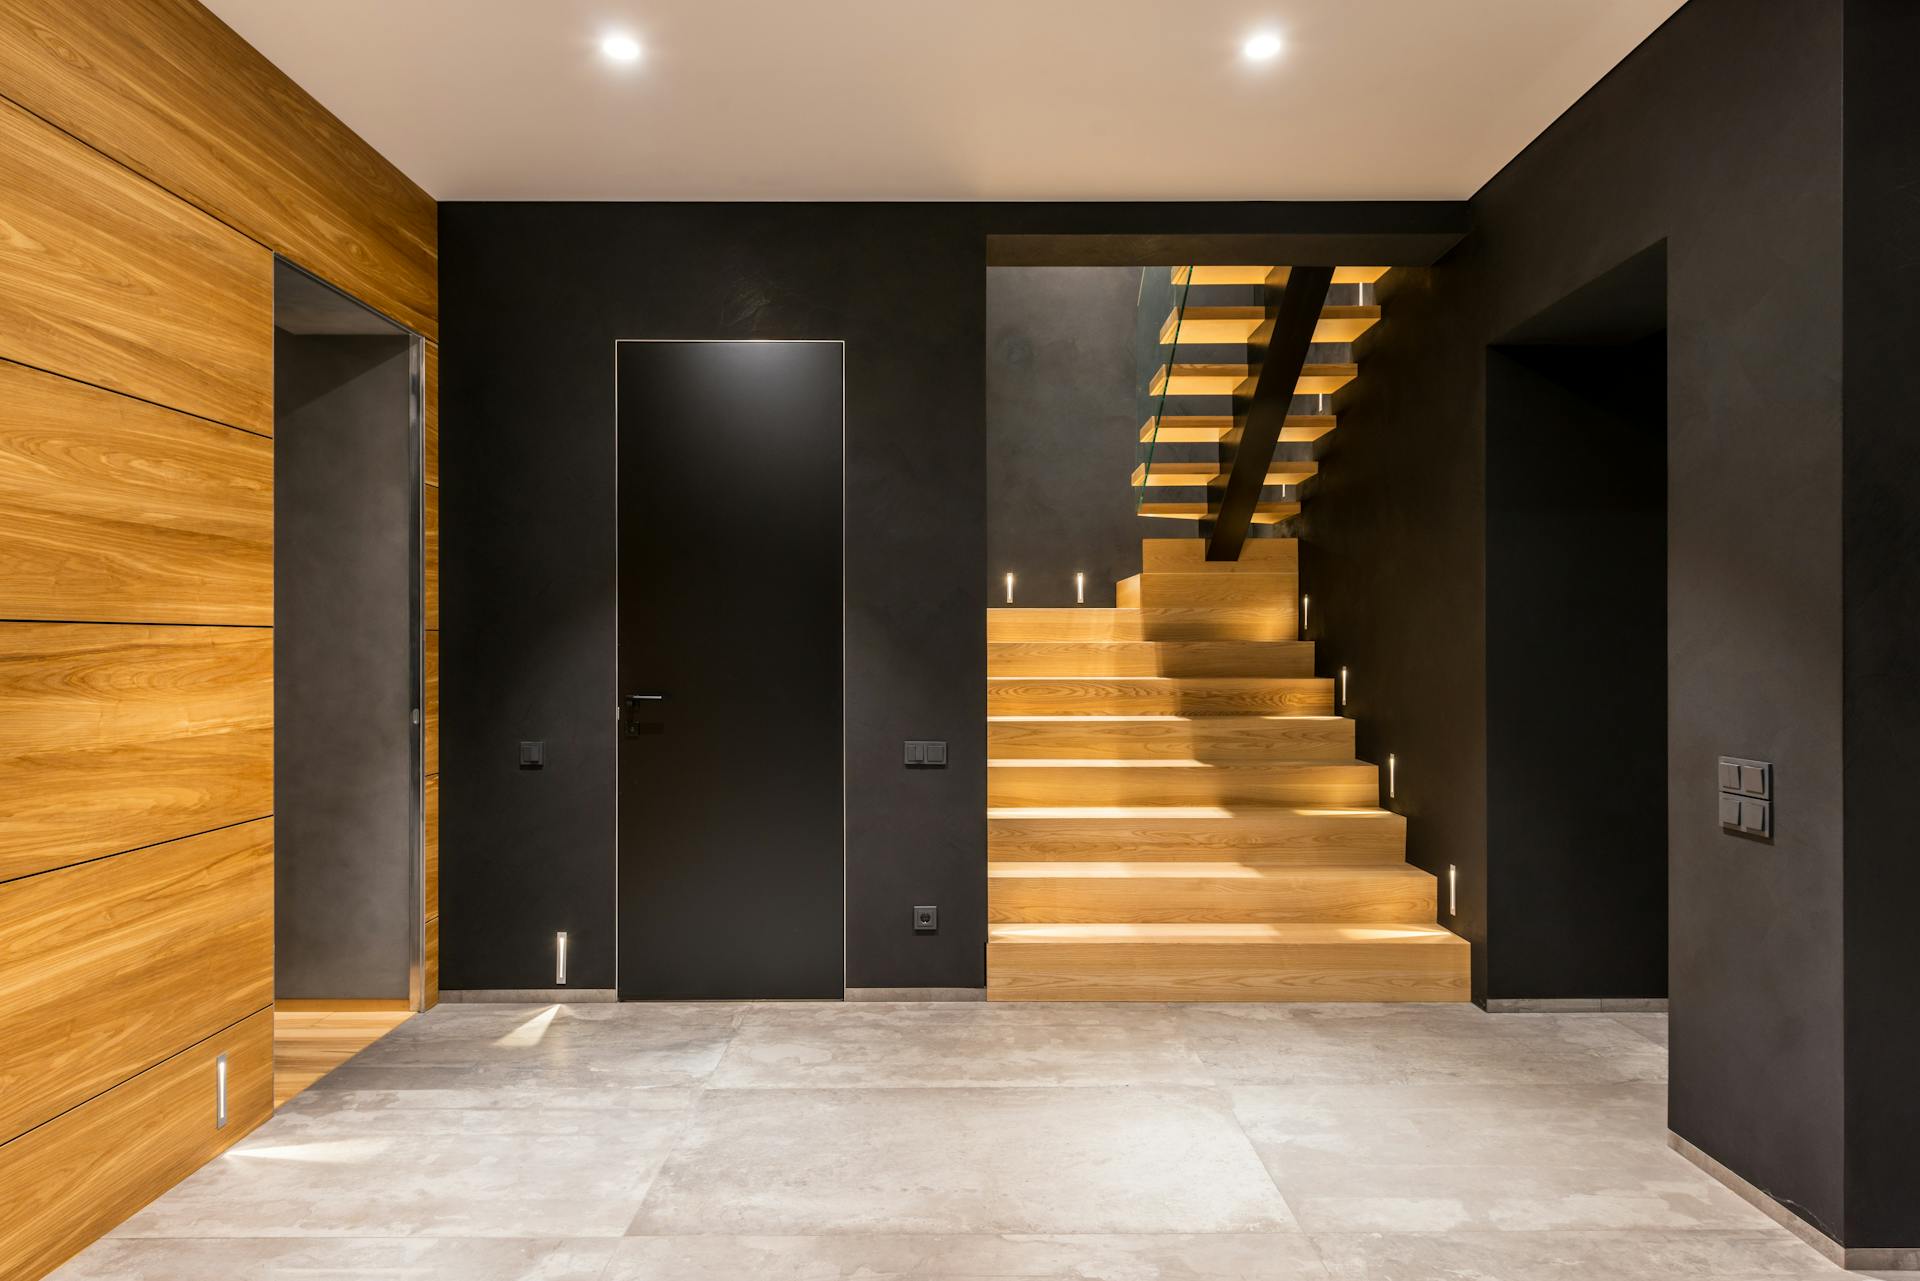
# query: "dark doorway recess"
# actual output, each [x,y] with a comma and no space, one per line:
[731,670]
[347,617]
[1576,643]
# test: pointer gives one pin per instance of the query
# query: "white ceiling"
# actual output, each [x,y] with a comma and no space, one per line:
[947,99]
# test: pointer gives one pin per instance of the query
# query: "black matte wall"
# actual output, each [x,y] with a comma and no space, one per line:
[1723,136]
[1880,463]
[1063,425]
[345,771]
[532,298]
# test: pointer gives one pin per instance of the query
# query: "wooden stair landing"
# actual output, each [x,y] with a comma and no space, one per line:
[1175,811]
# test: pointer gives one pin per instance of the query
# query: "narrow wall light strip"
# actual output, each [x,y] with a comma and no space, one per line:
[1009,588]
[220,1092]
[1343,689]
[1453,890]
[1079,589]
[1306,607]
[560,958]
[1393,766]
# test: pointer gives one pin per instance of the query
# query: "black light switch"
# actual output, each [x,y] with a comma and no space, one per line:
[926,753]
[533,755]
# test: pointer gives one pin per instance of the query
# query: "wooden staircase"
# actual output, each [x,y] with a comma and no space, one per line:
[1175,811]
[1212,336]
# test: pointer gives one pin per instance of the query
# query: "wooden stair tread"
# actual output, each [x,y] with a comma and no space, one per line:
[1255,275]
[1187,933]
[1160,474]
[1271,513]
[1226,325]
[1211,429]
[1212,379]
[1149,870]
[1175,763]
[1172,622]
[1149,658]
[1186,813]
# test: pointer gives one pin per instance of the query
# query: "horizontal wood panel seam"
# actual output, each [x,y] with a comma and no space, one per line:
[132,849]
[214,214]
[152,1067]
[115,391]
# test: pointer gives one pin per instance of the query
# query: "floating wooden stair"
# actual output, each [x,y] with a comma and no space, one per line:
[1175,813]
[1267,513]
[1184,475]
[1269,275]
[1208,379]
[1211,429]
[1213,326]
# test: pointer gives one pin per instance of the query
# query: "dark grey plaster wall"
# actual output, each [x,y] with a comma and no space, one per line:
[1881,532]
[1721,135]
[1063,424]
[345,773]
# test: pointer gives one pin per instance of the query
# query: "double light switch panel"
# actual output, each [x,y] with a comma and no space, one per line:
[1746,796]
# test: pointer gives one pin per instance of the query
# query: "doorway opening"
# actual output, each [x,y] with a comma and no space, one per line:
[1576,623]
[348,875]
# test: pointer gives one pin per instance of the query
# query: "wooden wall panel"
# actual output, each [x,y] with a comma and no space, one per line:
[431,896]
[169,90]
[87,1170]
[114,510]
[431,713]
[433,963]
[431,569]
[113,737]
[111,966]
[106,278]
[430,416]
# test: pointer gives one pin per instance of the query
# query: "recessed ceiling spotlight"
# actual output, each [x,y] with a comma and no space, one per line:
[1261,47]
[619,48]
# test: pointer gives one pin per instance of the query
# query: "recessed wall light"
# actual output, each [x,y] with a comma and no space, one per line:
[619,48]
[1262,47]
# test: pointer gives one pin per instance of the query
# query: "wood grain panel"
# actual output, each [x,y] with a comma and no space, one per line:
[106,278]
[1149,658]
[87,1170]
[1279,592]
[114,510]
[1097,893]
[1240,962]
[430,568]
[1251,623]
[113,737]
[1189,556]
[1207,834]
[1160,696]
[430,416]
[109,967]
[433,962]
[431,880]
[169,90]
[1198,738]
[430,714]
[1235,785]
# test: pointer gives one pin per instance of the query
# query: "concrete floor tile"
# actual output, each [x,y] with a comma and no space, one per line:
[1219,1256]
[1574,1256]
[341,1259]
[1146,1159]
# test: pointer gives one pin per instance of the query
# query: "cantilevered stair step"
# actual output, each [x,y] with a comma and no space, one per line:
[1211,325]
[1231,784]
[1195,892]
[1276,834]
[1149,658]
[1225,962]
[1206,738]
[1189,556]
[1251,275]
[1159,696]
[1210,622]
[1200,379]
[1267,513]
[1162,474]
[1211,429]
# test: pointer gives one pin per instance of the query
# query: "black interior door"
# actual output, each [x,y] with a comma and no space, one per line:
[732,778]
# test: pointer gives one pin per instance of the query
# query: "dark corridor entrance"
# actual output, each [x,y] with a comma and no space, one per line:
[731,759]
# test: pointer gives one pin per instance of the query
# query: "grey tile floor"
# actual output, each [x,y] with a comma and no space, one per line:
[818,1142]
